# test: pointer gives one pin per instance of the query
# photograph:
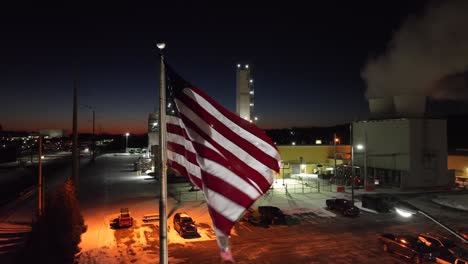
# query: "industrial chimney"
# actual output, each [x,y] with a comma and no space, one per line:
[381,108]
[410,106]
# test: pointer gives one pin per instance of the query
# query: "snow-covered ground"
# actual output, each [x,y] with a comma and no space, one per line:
[111,184]
[459,202]
[114,186]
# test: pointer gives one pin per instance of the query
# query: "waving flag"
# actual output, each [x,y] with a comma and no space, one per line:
[227,157]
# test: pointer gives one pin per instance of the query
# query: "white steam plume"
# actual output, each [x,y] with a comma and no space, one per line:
[428,56]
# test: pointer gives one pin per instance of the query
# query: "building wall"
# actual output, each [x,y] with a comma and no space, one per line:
[312,155]
[428,153]
[415,149]
[386,144]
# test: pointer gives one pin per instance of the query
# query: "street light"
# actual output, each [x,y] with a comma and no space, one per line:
[406,210]
[362,147]
[126,141]
[94,134]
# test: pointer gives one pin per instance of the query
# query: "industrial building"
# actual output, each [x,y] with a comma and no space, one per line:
[244,92]
[400,147]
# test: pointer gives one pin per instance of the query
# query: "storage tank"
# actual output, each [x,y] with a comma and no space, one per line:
[381,107]
[410,105]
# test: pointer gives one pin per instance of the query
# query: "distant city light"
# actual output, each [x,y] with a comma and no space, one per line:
[251,92]
[255,118]
[127,134]
[169,105]
[238,65]
[251,81]
[360,147]
[318,142]
[161,45]
[251,104]
[293,143]
[246,66]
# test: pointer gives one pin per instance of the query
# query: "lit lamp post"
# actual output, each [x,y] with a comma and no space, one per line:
[335,141]
[407,210]
[94,134]
[363,148]
[126,141]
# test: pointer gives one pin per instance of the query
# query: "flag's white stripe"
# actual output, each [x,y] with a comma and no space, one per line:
[191,168]
[258,142]
[221,172]
[223,205]
[194,136]
[226,143]
[178,139]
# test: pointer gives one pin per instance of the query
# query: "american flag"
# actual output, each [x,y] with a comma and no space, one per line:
[230,159]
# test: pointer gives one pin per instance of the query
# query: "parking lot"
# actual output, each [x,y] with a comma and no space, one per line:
[322,236]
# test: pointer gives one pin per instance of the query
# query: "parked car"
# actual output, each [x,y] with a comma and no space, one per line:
[409,247]
[266,216]
[272,215]
[184,225]
[449,251]
[123,220]
[344,206]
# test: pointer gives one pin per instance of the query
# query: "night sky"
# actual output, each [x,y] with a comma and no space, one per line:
[306,59]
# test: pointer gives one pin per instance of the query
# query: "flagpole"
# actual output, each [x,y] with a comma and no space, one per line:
[163,252]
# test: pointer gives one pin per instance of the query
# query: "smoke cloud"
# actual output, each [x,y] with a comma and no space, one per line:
[427,56]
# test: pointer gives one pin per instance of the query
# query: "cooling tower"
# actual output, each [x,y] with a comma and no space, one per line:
[381,107]
[409,105]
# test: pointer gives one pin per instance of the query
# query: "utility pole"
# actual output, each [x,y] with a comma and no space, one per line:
[94,138]
[352,162]
[40,193]
[75,154]
[334,154]
[365,159]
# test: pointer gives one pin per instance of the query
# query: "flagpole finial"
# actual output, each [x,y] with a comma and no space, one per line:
[161,45]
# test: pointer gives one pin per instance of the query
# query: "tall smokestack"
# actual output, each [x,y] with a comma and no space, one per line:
[427,56]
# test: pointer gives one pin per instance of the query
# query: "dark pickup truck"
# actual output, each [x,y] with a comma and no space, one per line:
[344,206]
[409,247]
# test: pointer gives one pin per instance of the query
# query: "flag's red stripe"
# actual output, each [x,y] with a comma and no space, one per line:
[222,223]
[175,129]
[241,169]
[235,118]
[226,189]
[181,150]
[247,146]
